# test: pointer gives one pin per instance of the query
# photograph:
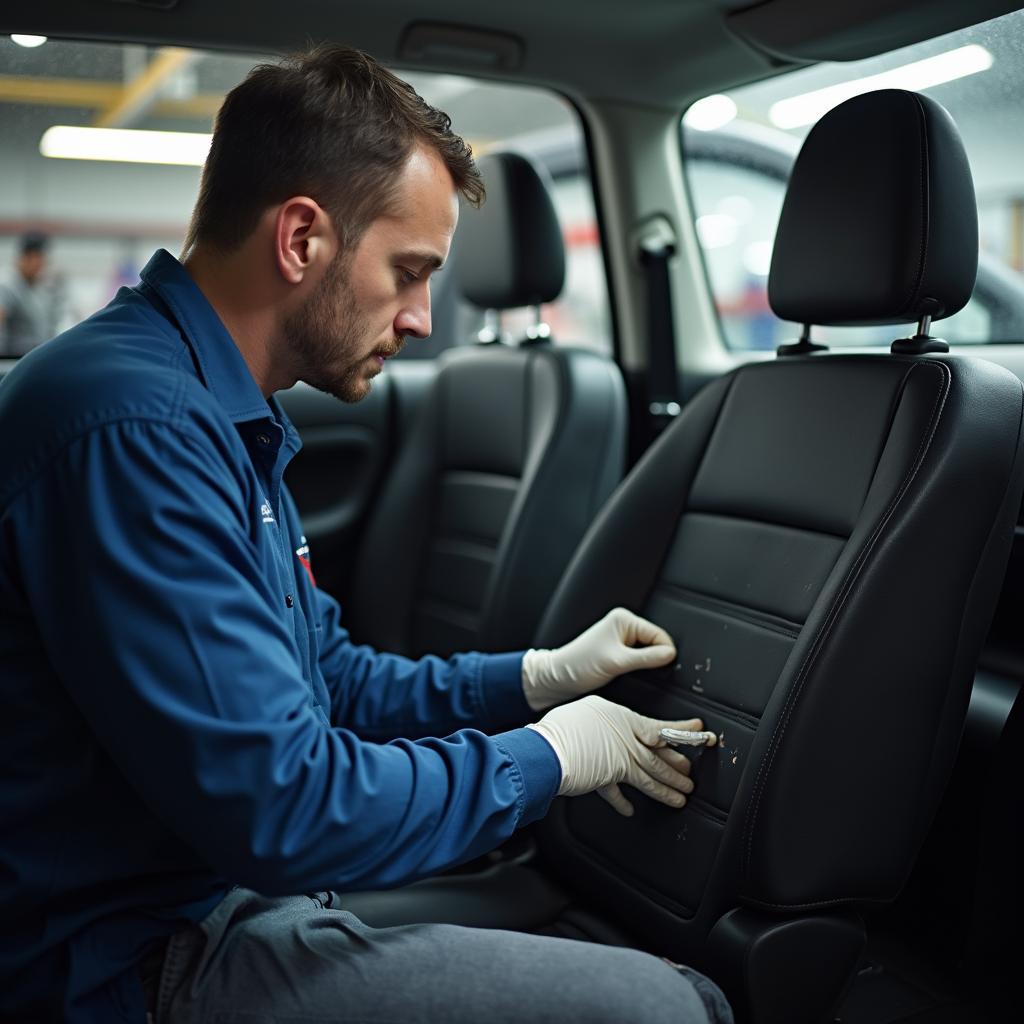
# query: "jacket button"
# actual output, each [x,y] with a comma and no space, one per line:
[289,600]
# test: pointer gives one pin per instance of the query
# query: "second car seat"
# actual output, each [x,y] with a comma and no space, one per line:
[512,453]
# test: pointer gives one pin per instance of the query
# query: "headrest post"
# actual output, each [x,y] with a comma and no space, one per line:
[921,342]
[490,333]
[538,331]
[802,347]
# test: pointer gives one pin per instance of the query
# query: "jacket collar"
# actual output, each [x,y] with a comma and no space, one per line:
[222,368]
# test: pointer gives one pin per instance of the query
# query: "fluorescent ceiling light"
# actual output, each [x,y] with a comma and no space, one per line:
[921,74]
[28,41]
[125,145]
[710,113]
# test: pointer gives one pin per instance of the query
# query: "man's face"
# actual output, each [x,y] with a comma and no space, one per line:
[32,264]
[370,300]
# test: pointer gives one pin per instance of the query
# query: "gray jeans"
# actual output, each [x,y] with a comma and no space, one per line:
[297,959]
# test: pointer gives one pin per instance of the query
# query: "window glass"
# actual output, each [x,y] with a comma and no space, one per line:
[740,148]
[546,129]
[102,218]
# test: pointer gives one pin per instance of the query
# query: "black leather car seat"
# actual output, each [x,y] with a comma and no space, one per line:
[825,537]
[512,453]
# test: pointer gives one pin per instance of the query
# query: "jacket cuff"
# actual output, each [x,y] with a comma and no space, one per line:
[538,769]
[501,690]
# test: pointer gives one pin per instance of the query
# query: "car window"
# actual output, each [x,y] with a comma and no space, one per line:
[740,146]
[580,317]
[545,128]
[101,213]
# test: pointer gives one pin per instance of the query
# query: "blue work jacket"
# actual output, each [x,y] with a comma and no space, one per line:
[182,709]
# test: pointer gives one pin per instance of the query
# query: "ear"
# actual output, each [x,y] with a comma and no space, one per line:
[304,239]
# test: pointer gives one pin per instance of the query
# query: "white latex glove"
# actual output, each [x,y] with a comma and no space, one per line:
[620,642]
[600,744]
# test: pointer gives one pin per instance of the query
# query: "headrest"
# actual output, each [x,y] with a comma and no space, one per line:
[880,223]
[510,251]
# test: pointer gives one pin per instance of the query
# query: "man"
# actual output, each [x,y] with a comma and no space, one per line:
[187,723]
[26,317]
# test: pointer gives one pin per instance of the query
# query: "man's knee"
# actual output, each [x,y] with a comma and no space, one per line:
[650,989]
[564,979]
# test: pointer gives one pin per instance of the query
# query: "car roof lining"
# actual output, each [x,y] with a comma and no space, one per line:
[666,56]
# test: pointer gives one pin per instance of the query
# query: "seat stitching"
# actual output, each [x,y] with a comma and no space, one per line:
[482,478]
[774,744]
[468,544]
[818,903]
[714,513]
[915,294]
[770,622]
[727,711]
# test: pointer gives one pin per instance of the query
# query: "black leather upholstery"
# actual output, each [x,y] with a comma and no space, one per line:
[880,223]
[512,454]
[504,469]
[510,251]
[825,538]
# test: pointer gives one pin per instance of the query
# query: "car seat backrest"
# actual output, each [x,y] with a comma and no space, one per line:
[825,538]
[507,461]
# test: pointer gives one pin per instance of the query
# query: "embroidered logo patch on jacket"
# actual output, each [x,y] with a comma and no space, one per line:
[302,554]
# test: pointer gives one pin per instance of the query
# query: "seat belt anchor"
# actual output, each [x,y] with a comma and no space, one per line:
[655,240]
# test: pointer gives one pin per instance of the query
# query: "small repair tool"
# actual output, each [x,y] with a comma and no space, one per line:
[685,738]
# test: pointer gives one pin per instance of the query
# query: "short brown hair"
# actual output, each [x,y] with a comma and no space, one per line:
[332,124]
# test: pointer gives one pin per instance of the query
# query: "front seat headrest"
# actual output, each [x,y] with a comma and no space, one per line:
[510,251]
[880,223]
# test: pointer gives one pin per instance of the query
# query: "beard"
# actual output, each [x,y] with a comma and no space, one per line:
[328,338]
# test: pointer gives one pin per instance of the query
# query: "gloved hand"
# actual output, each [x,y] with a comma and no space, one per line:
[620,642]
[600,744]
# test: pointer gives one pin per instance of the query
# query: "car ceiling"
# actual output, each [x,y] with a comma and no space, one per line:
[657,53]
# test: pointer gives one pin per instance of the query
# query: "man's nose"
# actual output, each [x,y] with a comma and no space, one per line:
[414,318]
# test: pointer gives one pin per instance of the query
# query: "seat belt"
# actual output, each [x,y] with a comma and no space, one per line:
[657,245]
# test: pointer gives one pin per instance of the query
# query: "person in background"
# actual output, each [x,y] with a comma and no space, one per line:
[26,313]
